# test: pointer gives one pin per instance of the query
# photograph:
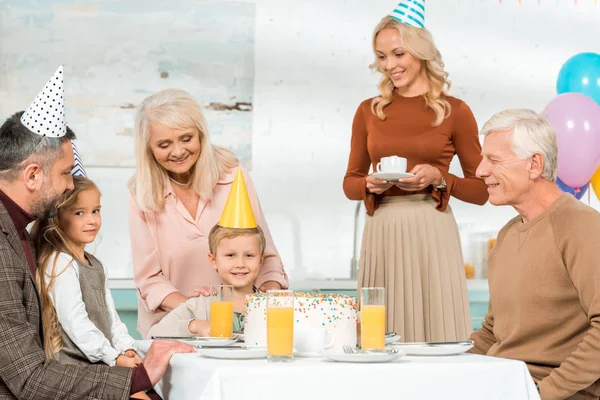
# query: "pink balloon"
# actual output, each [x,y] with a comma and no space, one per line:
[576,119]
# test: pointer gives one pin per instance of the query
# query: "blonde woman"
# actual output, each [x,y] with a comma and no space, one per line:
[177,195]
[411,244]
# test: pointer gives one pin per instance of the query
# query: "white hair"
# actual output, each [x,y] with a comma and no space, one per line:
[531,133]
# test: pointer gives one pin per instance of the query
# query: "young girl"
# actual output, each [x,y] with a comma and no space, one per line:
[80,322]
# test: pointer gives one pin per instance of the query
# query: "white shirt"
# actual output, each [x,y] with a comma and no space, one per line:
[73,317]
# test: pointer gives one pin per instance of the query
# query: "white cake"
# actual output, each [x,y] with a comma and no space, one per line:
[337,313]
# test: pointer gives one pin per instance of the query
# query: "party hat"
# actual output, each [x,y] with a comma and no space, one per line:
[78,169]
[238,210]
[410,12]
[46,115]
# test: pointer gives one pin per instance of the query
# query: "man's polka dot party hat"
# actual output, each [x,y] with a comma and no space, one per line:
[46,115]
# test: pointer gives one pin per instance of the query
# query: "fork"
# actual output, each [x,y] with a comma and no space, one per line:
[349,350]
[352,350]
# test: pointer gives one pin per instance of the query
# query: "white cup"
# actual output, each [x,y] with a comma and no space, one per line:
[392,164]
[312,339]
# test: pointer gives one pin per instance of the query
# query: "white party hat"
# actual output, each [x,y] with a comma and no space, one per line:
[46,115]
[78,169]
[410,12]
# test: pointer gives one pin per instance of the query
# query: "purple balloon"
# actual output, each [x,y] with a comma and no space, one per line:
[577,192]
[576,119]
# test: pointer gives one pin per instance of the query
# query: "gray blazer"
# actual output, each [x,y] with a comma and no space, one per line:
[24,371]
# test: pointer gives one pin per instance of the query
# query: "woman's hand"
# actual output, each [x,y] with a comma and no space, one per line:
[201,291]
[199,327]
[270,285]
[377,186]
[425,175]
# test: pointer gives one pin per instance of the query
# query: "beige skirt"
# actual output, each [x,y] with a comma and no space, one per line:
[413,251]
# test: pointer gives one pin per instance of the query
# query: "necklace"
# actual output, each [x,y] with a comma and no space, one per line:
[179,183]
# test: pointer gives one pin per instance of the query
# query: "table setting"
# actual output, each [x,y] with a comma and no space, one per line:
[306,360]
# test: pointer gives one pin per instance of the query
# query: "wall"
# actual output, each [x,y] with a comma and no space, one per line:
[310,74]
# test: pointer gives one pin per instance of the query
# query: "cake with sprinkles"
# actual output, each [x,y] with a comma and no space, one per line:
[335,312]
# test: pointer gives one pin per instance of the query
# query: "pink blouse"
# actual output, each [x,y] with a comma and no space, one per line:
[170,249]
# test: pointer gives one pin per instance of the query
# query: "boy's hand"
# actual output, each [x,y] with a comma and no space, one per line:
[199,327]
[270,285]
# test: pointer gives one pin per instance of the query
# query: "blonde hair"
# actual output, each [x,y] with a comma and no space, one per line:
[50,241]
[419,43]
[174,108]
[531,133]
[218,233]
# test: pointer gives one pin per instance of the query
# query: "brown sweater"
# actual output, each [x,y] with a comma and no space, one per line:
[544,308]
[408,132]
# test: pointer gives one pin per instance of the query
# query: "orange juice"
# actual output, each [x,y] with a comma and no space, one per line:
[221,318]
[280,331]
[372,323]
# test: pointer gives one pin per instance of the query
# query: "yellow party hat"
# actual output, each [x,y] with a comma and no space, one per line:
[238,210]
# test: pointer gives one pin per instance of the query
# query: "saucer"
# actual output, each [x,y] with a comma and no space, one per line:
[391,338]
[392,176]
[428,349]
[368,357]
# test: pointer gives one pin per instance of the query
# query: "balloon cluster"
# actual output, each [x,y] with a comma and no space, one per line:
[575,116]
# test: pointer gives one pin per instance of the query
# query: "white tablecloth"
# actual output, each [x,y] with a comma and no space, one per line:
[193,377]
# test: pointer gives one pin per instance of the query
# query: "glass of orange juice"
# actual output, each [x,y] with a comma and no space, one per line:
[221,311]
[280,325]
[372,318]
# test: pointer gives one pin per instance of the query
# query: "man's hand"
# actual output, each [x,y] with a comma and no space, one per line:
[160,353]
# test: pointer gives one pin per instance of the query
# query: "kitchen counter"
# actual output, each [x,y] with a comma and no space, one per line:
[310,284]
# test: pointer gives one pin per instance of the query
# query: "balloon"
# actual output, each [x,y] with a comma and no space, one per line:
[595,182]
[576,120]
[577,192]
[581,74]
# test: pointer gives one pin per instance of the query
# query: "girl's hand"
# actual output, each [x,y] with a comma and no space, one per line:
[425,175]
[134,355]
[124,361]
[377,186]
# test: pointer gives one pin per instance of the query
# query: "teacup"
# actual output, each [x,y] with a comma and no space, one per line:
[392,164]
[312,339]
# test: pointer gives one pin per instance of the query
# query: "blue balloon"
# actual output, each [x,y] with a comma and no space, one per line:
[580,74]
[577,192]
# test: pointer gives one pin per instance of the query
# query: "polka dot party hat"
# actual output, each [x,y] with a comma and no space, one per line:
[410,12]
[46,115]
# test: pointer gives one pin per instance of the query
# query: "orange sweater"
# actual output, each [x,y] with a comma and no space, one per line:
[408,132]
[544,304]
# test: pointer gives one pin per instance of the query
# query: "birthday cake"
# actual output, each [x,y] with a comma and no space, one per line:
[336,312]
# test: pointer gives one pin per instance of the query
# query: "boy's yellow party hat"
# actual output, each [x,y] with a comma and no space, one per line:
[238,210]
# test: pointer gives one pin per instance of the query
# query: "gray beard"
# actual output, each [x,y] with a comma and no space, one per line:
[44,208]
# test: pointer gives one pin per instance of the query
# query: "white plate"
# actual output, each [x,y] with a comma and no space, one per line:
[392,339]
[340,356]
[392,176]
[213,343]
[306,354]
[234,353]
[438,350]
[240,337]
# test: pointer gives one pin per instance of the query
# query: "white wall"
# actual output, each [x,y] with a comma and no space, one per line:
[311,59]
[311,74]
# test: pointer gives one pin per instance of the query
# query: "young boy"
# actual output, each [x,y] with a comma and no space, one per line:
[236,248]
